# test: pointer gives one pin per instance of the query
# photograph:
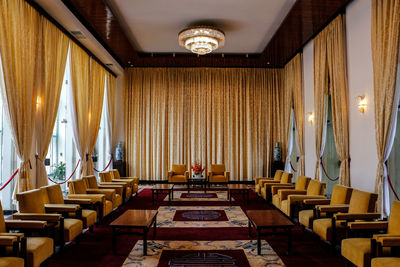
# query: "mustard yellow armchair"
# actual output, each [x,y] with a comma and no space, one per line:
[178,174]
[286,180]
[280,192]
[340,195]
[290,205]
[104,199]
[88,215]
[333,229]
[91,183]
[35,205]
[134,181]
[107,178]
[359,251]
[259,180]
[217,174]
[385,262]
[35,250]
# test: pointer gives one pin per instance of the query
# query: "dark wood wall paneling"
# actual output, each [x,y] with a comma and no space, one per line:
[303,22]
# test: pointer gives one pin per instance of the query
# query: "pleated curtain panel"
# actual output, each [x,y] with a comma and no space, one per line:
[295,100]
[88,80]
[110,109]
[177,116]
[385,35]
[55,51]
[330,78]
[21,68]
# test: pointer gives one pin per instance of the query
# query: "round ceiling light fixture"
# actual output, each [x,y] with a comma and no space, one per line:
[201,40]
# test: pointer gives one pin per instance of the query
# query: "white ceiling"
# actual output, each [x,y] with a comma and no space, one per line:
[153,25]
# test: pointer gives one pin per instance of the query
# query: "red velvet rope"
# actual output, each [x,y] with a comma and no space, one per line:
[291,166]
[69,178]
[108,165]
[391,186]
[9,180]
[326,174]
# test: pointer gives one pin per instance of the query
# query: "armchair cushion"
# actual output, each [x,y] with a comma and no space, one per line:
[219,179]
[72,228]
[54,194]
[38,250]
[315,188]
[302,182]
[385,262]
[11,261]
[362,202]
[341,194]
[217,169]
[179,169]
[394,219]
[178,179]
[323,228]
[306,217]
[32,201]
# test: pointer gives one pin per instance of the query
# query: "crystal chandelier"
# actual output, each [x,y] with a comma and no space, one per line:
[201,39]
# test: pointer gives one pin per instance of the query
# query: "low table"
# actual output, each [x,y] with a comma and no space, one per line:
[270,219]
[239,189]
[197,181]
[134,219]
[162,188]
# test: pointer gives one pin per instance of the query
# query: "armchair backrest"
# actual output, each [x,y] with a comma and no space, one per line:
[394,219]
[77,187]
[217,168]
[302,182]
[91,181]
[341,194]
[362,202]
[54,194]
[278,175]
[179,169]
[114,174]
[32,201]
[107,177]
[286,177]
[316,188]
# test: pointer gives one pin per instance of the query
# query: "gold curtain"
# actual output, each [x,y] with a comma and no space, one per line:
[20,45]
[296,79]
[286,105]
[330,70]
[385,28]
[213,115]
[88,79]
[54,56]
[110,108]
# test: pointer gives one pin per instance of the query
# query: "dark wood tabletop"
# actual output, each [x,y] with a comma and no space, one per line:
[132,218]
[238,186]
[163,186]
[268,218]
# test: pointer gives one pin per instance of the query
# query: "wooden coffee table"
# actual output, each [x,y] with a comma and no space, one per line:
[162,188]
[202,182]
[134,219]
[239,189]
[270,219]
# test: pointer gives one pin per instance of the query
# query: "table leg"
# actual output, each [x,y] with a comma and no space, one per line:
[248,196]
[169,195]
[145,242]
[114,240]
[249,228]
[289,233]
[155,226]
[230,196]
[258,242]
[152,196]
[188,186]
[172,193]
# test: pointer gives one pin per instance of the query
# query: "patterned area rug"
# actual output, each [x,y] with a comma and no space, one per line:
[200,215]
[199,196]
[155,249]
[226,258]
[235,217]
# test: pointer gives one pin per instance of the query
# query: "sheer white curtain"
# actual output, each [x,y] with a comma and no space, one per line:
[290,144]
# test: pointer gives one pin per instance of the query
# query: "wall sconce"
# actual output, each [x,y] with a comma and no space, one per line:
[310,117]
[362,104]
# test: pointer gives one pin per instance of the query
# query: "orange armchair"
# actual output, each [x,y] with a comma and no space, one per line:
[178,174]
[217,174]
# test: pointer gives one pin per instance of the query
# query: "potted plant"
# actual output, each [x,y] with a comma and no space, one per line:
[197,169]
[59,172]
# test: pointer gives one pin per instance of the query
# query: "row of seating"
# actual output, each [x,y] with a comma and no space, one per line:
[46,218]
[347,215]
[180,174]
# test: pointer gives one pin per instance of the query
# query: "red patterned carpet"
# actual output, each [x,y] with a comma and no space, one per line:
[95,249]
[200,215]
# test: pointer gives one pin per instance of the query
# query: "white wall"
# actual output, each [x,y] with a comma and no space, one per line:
[360,82]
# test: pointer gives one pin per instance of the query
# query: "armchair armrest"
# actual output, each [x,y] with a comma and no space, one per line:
[258,179]
[332,208]
[210,174]
[96,198]
[295,198]
[263,182]
[78,201]
[49,217]
[24,224]
[368,225]
[227,175]
[284,193]
[388,240]
[108,193]
[8,240]
[61,207]
[357,216]
[317,201]
[118,188]
[275,188]
[17,235]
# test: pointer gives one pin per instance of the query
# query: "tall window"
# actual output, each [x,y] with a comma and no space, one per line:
[330,158]
[294,155]
[101,153]
[8,158]
[392,163]
[62,156]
